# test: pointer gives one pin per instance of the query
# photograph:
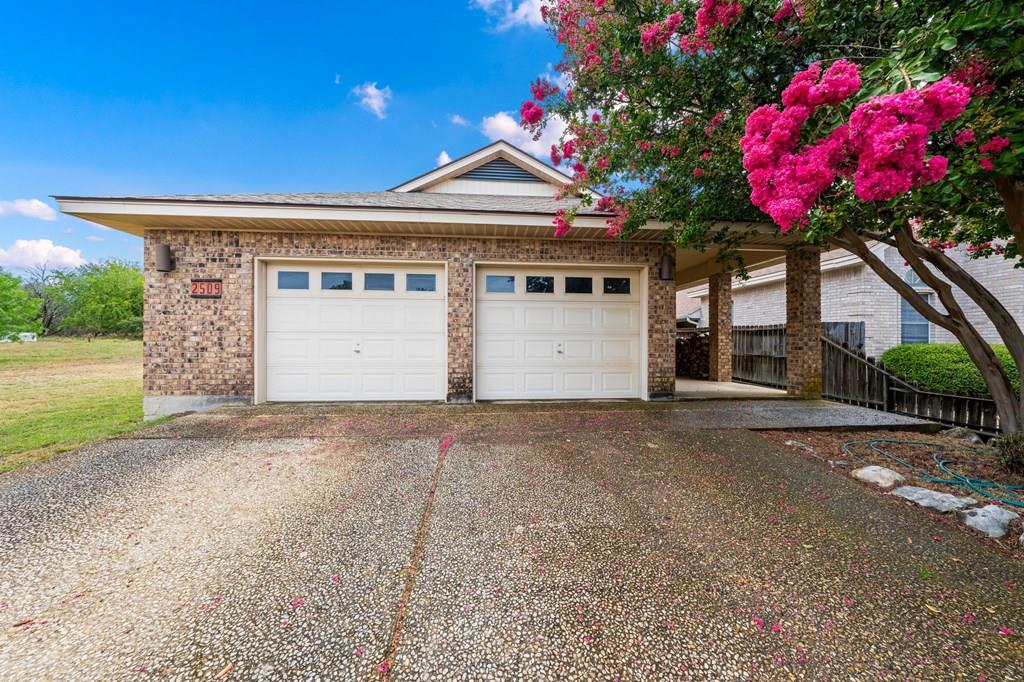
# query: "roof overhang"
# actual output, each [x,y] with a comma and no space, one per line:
[136,216]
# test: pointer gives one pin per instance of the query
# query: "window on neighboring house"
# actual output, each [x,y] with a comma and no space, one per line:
[914,327]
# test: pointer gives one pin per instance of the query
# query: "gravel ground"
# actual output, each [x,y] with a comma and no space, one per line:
[575,541]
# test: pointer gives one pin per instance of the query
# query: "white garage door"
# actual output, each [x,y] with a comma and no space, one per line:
[341,331]
[558,333]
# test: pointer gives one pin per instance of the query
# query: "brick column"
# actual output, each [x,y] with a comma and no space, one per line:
[720,327]
[803,322]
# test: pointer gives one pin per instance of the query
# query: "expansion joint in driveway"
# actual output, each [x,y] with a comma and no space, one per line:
[412,568]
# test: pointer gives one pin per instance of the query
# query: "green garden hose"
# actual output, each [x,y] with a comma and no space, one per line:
[1000,492]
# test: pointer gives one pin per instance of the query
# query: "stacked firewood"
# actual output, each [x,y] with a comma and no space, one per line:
[692,353]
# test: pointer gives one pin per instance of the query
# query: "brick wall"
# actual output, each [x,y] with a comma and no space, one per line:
[197,347]
[803,322]
[720,325]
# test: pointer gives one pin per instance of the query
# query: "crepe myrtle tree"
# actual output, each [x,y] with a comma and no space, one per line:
[847,122]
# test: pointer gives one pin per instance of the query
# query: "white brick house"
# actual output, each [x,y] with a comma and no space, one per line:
[850,291]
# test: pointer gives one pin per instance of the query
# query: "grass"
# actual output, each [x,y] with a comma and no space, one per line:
[59,394]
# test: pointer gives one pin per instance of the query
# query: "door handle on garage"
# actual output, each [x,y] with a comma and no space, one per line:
[558,348]
[359,348]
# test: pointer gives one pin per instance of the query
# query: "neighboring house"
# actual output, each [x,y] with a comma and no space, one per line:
[850,291]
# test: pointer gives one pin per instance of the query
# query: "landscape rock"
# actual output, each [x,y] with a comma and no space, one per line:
[880,476]
[943,502]
[962,433]
[992,520]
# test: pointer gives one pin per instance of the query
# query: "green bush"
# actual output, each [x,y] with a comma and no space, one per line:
[18,311]
[945,367]
[1011,451]
[101,298]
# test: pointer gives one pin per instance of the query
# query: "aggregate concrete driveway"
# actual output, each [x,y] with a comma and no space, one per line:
[597,541]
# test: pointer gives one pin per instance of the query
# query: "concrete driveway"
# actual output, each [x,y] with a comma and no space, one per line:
[595,541]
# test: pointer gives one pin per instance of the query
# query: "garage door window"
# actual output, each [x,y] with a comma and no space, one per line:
[421,283]
[540,285]
[336,281]
[379,281]
[292,280]
[579,285]
[616,285]
[501,284]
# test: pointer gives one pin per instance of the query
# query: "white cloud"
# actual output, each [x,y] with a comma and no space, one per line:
[94,238]
[510,13]
[502,126]
[30,208]
[373,99]
[443,158]
[458,120]
[27,253]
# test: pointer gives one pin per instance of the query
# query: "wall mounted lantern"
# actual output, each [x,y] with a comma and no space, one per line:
[667,271]
[164,258]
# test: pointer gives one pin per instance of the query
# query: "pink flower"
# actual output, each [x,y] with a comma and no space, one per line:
[602,162]
[562,225]
[384,667]
[645,146]
[997,144]
[568,148]
[964,138]
[758,623]
[705,155]
[986,163]
[530,113]
[698,172]
[335,579]
[297,602]
[970,618]
[556,156]
[542,89]
[595,117]
[360,650]
[1005,631]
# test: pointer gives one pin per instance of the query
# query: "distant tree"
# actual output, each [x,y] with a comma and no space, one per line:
[19,312]
[101,298]
[42,284]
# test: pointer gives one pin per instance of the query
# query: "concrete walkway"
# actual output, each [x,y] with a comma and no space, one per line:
[696,389]
[594,541]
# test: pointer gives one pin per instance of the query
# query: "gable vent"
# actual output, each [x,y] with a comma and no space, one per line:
[500,169]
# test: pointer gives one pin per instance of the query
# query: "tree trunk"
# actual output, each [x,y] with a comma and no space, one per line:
[1008,404]
[1011,190]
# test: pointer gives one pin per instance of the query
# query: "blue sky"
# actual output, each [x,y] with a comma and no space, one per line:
[116,98]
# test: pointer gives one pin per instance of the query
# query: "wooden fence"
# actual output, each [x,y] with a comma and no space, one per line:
[759,355]
[848,376]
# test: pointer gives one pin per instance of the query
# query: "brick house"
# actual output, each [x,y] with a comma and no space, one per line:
[447,287]
[851,291]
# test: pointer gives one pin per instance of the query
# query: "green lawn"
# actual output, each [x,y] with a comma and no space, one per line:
[58,394]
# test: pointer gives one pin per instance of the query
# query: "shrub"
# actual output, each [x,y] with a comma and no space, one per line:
[1011,451]
[945,367]
[18,311]
[101,298]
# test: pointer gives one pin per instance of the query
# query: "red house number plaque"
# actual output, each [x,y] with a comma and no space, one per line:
[206,288]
